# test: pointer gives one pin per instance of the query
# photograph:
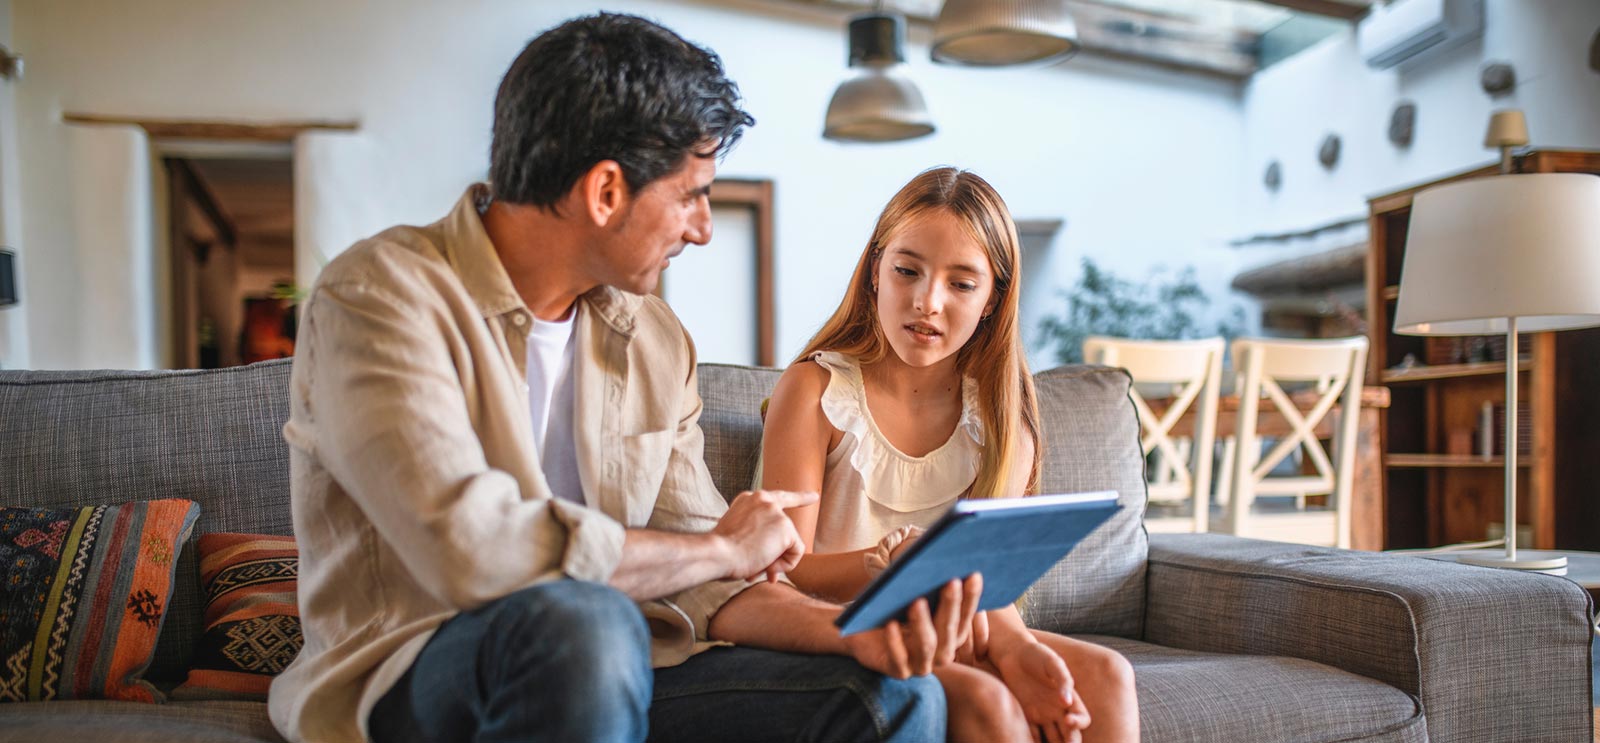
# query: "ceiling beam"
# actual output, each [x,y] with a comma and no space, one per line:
[1329,8]
[276,131]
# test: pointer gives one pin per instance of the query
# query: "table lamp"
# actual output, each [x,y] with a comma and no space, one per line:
[1503,254]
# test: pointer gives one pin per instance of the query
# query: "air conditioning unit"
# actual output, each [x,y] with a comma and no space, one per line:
[1401,30]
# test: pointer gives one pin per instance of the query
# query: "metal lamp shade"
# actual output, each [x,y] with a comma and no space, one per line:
[1483,250]
[992,33]
[877,106]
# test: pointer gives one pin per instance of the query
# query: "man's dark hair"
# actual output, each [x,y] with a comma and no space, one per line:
[607,87]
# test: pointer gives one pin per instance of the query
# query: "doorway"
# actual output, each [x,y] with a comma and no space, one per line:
[231,221]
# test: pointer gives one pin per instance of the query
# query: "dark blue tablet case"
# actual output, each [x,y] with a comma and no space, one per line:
[1011,541]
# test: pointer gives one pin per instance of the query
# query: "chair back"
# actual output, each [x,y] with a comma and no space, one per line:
[1178,462]
[1332,371]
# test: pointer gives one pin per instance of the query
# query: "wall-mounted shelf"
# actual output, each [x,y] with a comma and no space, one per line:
[1450,371]
[1448,460]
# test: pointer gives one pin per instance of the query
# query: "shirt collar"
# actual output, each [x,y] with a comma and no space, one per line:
[472,254]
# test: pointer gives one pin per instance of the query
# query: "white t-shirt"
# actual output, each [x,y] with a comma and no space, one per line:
[550,381]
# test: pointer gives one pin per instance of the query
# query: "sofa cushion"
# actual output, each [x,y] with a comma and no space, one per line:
[124,722]
[252,618]
[731,420]
[1091,442]
[214,437]
[1212,698]
[84,594]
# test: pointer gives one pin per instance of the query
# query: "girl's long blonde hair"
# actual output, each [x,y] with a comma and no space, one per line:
[993,356]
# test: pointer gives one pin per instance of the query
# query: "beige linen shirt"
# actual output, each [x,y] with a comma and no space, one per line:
[415,486]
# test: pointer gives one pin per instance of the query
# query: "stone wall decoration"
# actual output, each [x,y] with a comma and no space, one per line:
[1328,153]
[1403,124]
[1498,78]
[1273,178]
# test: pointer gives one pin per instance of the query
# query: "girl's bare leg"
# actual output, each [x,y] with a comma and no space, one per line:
[1104,679]
[981,710]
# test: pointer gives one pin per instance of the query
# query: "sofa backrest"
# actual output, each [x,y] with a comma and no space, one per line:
[70,439]
[1091,442]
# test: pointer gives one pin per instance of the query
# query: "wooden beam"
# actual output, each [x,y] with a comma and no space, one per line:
[1329,8]
[203,199]
[276,131]
[1170,41]
[1177,43]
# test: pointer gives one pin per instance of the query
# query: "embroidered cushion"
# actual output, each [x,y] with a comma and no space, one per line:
[83,597]
[252,619]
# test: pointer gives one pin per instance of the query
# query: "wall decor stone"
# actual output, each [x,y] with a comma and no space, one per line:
[1498,78]
[1328,153]
[1273,178]
[1403,124]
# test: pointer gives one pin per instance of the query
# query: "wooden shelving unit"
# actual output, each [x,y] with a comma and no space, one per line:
[1433,498]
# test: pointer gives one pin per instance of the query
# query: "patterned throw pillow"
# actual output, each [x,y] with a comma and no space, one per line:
[252,618]
[83,596]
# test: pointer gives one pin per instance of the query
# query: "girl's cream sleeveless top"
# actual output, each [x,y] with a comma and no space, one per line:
[870,488]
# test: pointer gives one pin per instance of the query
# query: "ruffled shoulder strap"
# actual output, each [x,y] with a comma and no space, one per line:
[845,399]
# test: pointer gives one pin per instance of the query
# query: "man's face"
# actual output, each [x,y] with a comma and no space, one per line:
[656,224]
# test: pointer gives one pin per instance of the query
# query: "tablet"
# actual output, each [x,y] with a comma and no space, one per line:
[1011,541]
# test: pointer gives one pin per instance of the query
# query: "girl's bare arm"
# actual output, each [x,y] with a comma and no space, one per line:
[794,453]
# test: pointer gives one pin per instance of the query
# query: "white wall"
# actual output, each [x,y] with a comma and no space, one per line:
[1288,109]
[1142,164]
[110,233]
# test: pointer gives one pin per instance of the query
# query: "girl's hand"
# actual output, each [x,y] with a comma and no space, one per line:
[975,651]
[1039,679]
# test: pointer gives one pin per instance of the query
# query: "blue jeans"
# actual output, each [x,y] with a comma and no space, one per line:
[753,696]
[570,661]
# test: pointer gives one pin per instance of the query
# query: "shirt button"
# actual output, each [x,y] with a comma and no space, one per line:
[519,320]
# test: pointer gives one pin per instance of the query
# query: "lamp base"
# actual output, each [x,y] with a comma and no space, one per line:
[1521,563]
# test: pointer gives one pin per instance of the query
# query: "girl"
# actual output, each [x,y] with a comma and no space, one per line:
[913,394]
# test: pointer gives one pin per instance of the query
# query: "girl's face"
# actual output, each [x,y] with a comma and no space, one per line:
[934,283]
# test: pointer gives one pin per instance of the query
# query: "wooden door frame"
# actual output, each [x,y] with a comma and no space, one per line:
[181,350]
[755,194]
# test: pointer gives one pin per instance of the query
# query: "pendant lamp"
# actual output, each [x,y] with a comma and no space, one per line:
[878,104]
[994,33]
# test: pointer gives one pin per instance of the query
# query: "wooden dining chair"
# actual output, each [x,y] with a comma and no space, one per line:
[1178,463]
[1302,381]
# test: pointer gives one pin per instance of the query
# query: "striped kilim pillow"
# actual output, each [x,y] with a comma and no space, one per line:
[252,617]
[83,596]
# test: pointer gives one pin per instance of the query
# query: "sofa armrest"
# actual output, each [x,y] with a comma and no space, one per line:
[1492,654]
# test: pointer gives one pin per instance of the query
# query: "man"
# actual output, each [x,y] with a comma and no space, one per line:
[503,515]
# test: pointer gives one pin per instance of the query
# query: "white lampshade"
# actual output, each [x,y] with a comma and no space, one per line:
[877,106]
[991,33]
[1482,250]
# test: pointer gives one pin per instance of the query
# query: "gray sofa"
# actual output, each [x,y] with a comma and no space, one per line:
[1232,640]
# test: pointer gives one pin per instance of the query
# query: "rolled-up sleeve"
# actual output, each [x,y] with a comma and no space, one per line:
[390,419]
